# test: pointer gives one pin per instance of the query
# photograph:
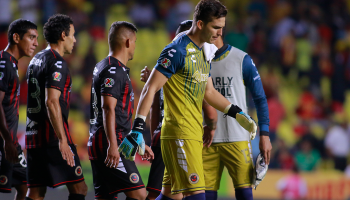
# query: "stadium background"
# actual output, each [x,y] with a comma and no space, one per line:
[301,49]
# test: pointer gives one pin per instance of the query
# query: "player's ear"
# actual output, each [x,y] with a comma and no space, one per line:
[16,38]
[200,24]
[63,35]
[127,43]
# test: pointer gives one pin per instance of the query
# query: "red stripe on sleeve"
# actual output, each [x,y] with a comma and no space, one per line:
[66,85]
[13,91]
[125,95]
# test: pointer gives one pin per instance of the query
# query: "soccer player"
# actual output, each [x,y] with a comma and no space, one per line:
[51,154]
[111,109]
[156,173]
[184,71]
[22,37]
[232,72]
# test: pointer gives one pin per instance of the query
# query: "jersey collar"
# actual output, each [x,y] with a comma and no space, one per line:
[193,42]
[6,54]
[222,50]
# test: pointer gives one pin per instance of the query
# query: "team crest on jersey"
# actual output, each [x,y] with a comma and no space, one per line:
[165,63]
[193,178]
[3,180]
[78,171]
[109,82]
[57,76]
[1,75]
[134,178]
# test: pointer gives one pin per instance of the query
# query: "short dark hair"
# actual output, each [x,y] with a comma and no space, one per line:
[115,28]
[206,10]
[21,27]
[184,26]
[54,27]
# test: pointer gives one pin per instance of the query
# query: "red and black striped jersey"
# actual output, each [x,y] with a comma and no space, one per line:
[9,83]
[47,69]
[110,78]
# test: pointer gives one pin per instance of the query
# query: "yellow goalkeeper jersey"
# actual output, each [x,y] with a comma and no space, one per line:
[187,70]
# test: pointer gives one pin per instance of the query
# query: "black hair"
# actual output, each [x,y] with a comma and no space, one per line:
[21,27]
[184,26]
[206,10]
[54,27]
[115,28]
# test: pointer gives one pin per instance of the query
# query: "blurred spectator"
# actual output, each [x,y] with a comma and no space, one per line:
[307,158]
[238,38]
[337,142]
[293,186]
[143,14]
[178,13]
[282,158]
[29,10]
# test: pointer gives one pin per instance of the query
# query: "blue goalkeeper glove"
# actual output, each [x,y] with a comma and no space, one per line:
[134,141]
[244,120]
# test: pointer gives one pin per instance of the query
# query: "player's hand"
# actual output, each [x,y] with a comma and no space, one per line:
[247,123]
[145,72]
[208,136]
[131,143]
[66,152]
[112,159]
[265,148]
[149,155]
[11,153]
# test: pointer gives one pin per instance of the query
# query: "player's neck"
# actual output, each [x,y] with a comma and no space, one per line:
[120,55]
[194,35]
[219,43]
[58,48]
[14,51]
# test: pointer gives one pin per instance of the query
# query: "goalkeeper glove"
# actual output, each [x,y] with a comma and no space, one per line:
[134,141]
[244,120]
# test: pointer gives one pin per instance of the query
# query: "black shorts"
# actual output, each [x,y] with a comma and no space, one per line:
[156,173]
[108,182]
[12,174]
[46,167]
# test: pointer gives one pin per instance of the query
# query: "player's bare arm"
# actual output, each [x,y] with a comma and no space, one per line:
[154,83]
[265,147]
[10,149]
[155,108]
[210,118]
[53,107]
[108,114]
[215,99]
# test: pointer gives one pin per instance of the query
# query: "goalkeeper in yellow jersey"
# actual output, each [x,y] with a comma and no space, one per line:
[183,70]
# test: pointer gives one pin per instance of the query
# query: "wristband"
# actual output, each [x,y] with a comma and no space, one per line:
[139,125]
[264,133]
[233,111]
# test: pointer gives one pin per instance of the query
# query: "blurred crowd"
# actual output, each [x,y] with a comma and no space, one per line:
[301,49]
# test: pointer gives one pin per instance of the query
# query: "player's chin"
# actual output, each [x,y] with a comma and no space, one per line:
[213,39]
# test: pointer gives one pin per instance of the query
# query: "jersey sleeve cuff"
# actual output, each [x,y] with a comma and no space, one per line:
[162,70]
[109,95]
[264,127]
[53,86]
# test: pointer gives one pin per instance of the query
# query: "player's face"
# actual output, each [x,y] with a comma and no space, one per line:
[28,43]
[69,41]
[213,30]
[132,47]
